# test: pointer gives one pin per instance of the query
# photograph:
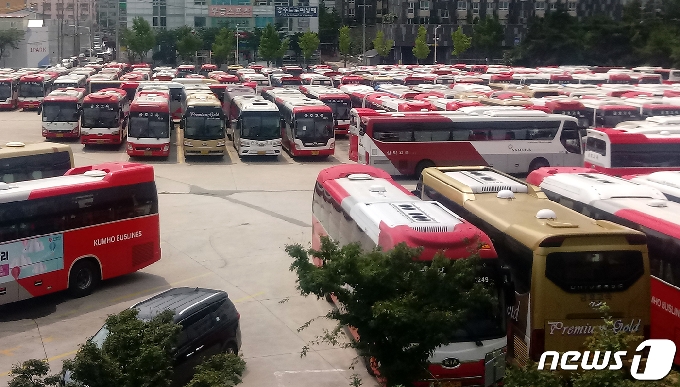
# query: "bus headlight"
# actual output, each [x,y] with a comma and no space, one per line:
[245,142]
[75,130]
[277,142]
[166,147]
[220,143]
[115,132]
[129,146]
[188,143]
[44,130]
[84,132]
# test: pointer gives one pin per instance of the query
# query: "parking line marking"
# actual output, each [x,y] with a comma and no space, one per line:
[9,351]
[180,146]
[246,298]
[279,374]
[48,359]
[138,293]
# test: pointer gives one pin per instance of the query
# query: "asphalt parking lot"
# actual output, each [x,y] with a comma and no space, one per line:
[224,224]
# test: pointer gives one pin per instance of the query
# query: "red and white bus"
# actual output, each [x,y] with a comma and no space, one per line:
[608,113]
[513,141]
[9,91]
[338,101]
[60,112]
[32,90]
[149,125]
[254,126]
[307,127]
[357,93]
[315,79]
[185,69]
[446,104]
[639,207]
[340,80]
[104,117]
[95,223]
[286,81]
[667,182]
[390,104]
[362,204]
[569,107]
[621,152]
[649,107]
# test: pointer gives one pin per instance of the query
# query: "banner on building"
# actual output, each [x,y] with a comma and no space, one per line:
[230,11]
[280,11]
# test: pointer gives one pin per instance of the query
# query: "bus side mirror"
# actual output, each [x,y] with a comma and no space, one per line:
[509,293]
[181,124]
[39,109]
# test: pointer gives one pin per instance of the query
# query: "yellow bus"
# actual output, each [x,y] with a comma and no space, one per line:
[20,162]
[564,265]
[203,125]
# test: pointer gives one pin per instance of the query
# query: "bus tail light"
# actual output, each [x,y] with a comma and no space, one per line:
[636,239]
[553,241]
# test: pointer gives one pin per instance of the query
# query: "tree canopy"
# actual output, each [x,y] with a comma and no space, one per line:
[421,50]
[139,39]
[225,43]
[272,47]
[308,43]
[382,46]
[488,36]
[9,39]
[461,42]
[188,43]
[345,43]
[329,24]
[401,308]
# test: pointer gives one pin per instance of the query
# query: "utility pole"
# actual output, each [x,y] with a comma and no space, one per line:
[76,41]
[363,6]
[435,43]
[237,33]
[117,28]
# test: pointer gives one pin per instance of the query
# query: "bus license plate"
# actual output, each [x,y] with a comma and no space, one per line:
[60,134]
[315,153]
[451,384]
[261,152]
[100,141]
[204,152]
[147,153]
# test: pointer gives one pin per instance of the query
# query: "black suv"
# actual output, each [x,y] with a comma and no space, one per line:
[209,320]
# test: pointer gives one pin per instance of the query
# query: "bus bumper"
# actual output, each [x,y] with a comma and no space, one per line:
[342,129]
[68,134]
[29,105]
[91,139]
[145,150]
[7,105]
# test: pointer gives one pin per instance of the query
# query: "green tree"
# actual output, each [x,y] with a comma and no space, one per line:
[461,42]
[381,45]
[32,373]
[271,46]
[208,36]
[421,50]
[139,39]
[252,42]
[401,308]
[9,39]
[188,43]
[345,43]
[329,25]
[309,43]
[488,36]
[223,48]
[166,49]
[222,370]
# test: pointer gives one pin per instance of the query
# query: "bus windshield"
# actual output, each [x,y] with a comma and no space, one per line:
[640,155]
[610,118]
[149,125]
[100,116]
[60,112]
[314,129]
[5,90]
[260,127]
[485,322]
[340,108]
[31,89]
[585,271]
[204,124]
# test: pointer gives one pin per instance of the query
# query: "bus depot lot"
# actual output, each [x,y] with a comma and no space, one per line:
[224,224]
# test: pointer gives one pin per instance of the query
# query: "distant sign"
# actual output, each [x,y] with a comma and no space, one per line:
[296,11]
[230,11]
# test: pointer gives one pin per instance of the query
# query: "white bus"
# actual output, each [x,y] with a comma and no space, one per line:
[255,127]
[513,141]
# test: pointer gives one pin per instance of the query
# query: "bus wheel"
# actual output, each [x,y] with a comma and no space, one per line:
[422,165]
[538,162]
[83,278]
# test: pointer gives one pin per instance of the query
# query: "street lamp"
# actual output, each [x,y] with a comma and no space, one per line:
[435,43]
[237,44]
[364,29]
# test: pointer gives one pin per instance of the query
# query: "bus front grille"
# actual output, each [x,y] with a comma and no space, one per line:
[521,352]
[494,188]
[142,253]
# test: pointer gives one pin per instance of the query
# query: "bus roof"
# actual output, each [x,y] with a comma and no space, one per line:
[514,208]
[18,149]
[667,182]
[652,135]
[151,102]
[254,103]
[78,179]
[106,96]
[69,94]
[203,99]
[389,214]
